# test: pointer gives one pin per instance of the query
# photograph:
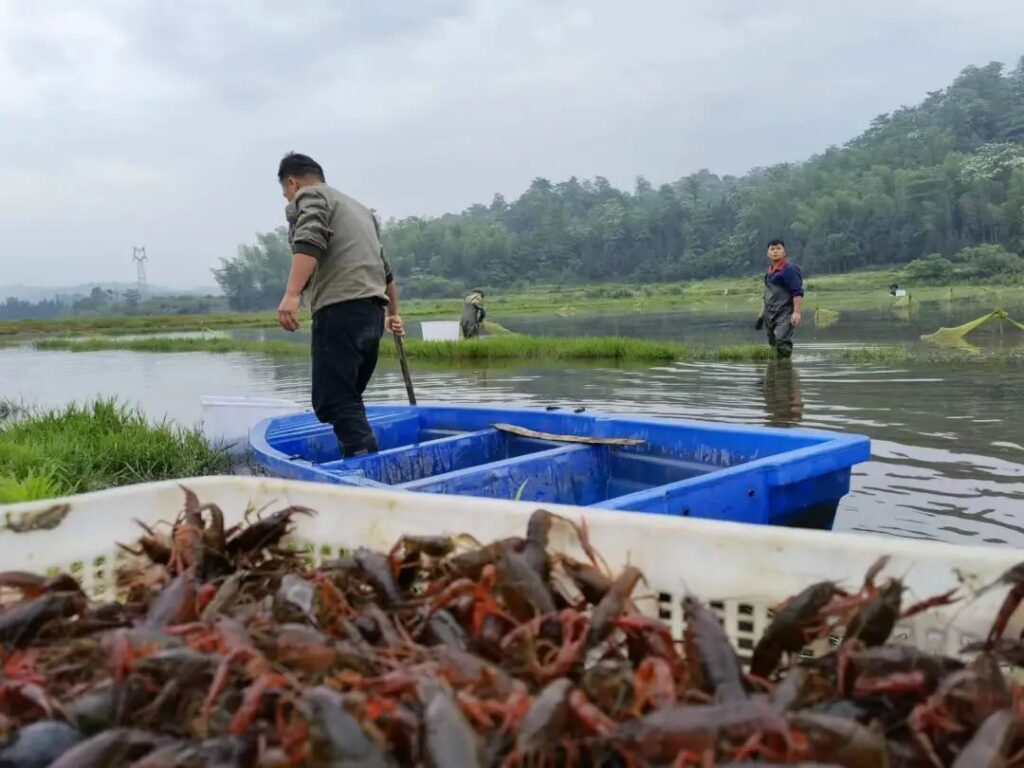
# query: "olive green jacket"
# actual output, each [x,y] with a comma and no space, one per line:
[344,238]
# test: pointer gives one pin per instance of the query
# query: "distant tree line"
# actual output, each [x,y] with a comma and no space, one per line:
[255,278]
[105,302]
[939,186]
[14,308]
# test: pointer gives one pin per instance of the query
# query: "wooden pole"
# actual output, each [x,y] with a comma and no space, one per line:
[405,370]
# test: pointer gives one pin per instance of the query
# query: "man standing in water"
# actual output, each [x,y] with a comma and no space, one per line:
[337,255]
[473,313]
[783,300]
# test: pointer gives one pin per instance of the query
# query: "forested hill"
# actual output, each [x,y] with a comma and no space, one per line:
[931,179]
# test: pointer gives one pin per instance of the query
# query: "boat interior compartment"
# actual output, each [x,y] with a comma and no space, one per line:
[453,450]
[581,475]
[441,455]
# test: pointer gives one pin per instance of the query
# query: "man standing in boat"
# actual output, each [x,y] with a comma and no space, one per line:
[782,301]
[338,258]
[473,313]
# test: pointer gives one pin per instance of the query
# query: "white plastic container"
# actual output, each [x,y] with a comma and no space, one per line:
[743,570]
[440,330]
[227,420]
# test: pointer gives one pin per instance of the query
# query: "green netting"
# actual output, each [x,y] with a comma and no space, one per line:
[956,335]
[823,318]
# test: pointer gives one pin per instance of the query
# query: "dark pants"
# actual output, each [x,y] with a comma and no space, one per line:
[780,333]
[346,339]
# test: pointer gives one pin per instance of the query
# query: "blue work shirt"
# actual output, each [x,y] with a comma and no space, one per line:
[780,288]
[788,277]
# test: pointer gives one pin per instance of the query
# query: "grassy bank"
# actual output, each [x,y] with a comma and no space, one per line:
[923,356]
[136,324]
[94,446]
[498,348]
[727,296]
[517,347]
[218,345]
[541,347]
[12,330]
[598,348]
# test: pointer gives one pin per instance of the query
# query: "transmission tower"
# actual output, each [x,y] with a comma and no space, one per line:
[140,258]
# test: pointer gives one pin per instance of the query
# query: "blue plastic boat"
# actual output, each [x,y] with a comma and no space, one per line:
[745,474]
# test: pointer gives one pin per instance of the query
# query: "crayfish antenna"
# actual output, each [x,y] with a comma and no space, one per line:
[1014,575]
[583,538]
[1008,577]
[258,511]
[903,577]
[687,592]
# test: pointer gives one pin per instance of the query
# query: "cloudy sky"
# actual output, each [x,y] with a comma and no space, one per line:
[125,122]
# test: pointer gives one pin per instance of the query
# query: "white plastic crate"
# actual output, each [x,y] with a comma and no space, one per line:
[227,420]
[440,330]
[743,570]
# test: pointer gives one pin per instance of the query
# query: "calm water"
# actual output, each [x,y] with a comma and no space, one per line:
[948,450]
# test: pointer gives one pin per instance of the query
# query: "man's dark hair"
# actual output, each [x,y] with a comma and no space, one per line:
[299,167]
[776,241]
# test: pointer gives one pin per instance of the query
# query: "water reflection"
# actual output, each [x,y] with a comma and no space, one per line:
[781,388]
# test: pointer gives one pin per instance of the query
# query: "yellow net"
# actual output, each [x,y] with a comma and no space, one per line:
[955,336]
[491,328]
[823,318]
[903,308]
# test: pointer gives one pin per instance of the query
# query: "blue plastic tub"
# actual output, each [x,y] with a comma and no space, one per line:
[731,472]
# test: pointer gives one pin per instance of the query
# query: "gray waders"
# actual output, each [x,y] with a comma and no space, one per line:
[778,313]
[470,322]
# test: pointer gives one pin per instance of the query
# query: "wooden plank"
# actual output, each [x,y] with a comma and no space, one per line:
[523,432]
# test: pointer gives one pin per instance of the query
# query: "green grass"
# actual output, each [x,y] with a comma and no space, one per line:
[919,356]
[137,324]
[514,347]
[133,324]
[218,345]
[737,353]
[543,348]
[30,487]
[93,446]
[8,409]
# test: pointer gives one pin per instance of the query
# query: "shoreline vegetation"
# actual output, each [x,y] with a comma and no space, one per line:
[512,347]
[856,291]
[543,348]
[93,446]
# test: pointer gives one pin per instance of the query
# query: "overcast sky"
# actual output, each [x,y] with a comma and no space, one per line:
[125,122]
